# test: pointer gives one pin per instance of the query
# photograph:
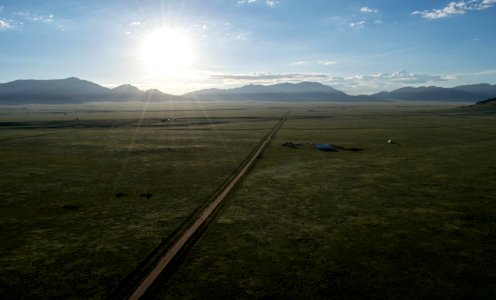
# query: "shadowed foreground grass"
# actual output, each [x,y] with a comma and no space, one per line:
[413,220]
[75,219]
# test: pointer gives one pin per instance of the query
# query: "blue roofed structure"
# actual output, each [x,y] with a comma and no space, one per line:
[324,147]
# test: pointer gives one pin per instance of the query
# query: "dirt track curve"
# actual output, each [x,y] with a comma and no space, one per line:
[187,234]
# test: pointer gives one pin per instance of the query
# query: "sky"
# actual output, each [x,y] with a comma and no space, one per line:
[360,47]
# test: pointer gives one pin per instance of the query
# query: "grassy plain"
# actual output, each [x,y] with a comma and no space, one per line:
[411,220]
[415,219]
[74,216]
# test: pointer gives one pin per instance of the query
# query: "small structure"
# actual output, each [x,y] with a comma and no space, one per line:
[292,145]
[324,147]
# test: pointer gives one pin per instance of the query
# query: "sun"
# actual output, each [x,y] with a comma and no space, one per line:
[166,52]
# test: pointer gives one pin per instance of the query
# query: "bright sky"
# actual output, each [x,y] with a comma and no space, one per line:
[182,45]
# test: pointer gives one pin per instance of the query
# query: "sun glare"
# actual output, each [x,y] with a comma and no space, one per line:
[166,53]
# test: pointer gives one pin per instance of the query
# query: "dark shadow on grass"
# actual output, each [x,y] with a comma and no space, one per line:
[70,207]
[349,149]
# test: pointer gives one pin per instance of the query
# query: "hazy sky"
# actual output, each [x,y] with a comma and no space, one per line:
[355,46]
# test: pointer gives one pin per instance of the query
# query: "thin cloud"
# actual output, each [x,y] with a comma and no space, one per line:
[35,17]
[456,8]
[299,63]
[266,76]
[368,10]
[327,62]
[271,3]
[319,62]
[7,25]
[401,76]
[246,1]
[484,72]
[357,24]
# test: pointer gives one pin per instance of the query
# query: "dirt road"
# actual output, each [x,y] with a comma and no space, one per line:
[184,237]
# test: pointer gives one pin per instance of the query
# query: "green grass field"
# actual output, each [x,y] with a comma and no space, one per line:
[74,220]
[411,220]
[414,219]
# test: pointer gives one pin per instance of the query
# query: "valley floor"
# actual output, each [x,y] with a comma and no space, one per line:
[415,218]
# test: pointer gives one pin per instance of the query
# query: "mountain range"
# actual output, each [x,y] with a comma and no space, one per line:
[309,91]
[474,92]
[74,90]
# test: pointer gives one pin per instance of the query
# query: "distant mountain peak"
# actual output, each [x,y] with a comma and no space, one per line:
[301,91]
[311,83]
[126,88]
[73,90]
[154,91]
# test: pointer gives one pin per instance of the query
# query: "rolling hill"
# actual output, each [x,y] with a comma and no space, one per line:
[491,102]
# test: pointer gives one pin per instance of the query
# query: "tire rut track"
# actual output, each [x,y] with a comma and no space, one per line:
[185,238]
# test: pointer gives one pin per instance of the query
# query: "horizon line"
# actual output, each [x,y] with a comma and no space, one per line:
[113,86]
